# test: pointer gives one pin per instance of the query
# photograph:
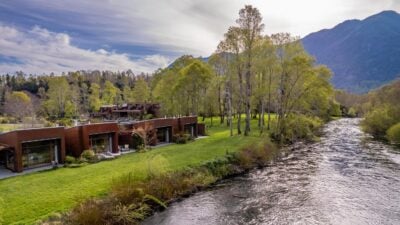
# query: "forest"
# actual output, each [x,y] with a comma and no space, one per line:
[249,76]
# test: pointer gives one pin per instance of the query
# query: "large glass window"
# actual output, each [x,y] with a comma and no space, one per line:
[10,160]
[164,134]
[190,129]
[39,153]
[100,143]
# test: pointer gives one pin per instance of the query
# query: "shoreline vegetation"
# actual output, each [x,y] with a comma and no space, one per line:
[52,195]
[380,110]
[132,198]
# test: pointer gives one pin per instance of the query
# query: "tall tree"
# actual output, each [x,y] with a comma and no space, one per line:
[141,91]
[232,44]
[58,103]
[265,67]
[192,86]
[303,87]
[19,105]
[250,24]
[110,94]
[94,97]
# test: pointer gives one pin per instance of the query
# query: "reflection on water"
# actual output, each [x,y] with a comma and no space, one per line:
[347,178]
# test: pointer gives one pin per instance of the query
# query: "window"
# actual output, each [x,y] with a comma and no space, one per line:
[101,143]
[164,134]
[190,129]
[39,153]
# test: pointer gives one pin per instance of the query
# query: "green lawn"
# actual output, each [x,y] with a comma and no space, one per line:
[28,198]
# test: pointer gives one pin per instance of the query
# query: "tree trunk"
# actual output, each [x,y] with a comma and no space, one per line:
[269,101]
[262,116]
[230,116]
[240,102]
[239,122]
[247,103]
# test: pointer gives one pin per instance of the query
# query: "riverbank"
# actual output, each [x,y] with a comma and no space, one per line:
[29,198]
[130,201]
[345,178]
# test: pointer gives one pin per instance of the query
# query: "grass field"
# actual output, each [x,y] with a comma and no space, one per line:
[28,198]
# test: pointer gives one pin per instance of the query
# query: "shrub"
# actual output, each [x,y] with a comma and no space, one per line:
[69,160]
[148,116]
[182,138]
[297,127]
[137,140]
[256,155]
[87,213]
[48,124]
[88,155]
[352,112]
[132,198]
[379,120]
[4,120]
[65,122]
[393,134]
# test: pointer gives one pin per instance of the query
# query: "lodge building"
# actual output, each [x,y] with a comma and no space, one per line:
[31,148]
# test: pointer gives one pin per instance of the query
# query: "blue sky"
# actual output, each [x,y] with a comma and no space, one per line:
[38,36]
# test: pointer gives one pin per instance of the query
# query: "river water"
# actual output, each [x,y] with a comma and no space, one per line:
[346,178]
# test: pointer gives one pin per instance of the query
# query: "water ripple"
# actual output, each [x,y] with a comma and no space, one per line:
[346,178]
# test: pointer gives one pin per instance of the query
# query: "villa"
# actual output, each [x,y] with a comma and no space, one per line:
[100,137]
[32,148]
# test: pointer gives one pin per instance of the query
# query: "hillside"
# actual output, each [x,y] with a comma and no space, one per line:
[363,54]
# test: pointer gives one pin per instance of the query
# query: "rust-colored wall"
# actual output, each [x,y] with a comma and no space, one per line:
[73,140]
[16,137]
[201,129]
[177,125]
[77,138]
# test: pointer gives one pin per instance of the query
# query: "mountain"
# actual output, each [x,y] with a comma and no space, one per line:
[363,54]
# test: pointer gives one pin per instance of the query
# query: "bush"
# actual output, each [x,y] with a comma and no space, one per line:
[379,120]
[49,124]
[132,198]
[65,122]
[393,134]
[137,140]
[148,116]
[87,213]
[352,112]
[69,160]
[297,127]
[256,155]
[4,120]
[88,155]
[182,138]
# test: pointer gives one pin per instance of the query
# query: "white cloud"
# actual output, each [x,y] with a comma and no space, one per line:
[41,51]
[168,27]
[195,27]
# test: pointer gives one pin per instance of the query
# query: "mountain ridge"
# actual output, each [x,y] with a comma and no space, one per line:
[363,54]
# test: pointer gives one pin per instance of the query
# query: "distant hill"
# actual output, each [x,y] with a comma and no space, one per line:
[363,54]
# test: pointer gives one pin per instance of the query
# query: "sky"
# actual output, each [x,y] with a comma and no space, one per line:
[44,36]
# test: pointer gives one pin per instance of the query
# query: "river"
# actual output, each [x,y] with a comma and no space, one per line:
[345,178]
